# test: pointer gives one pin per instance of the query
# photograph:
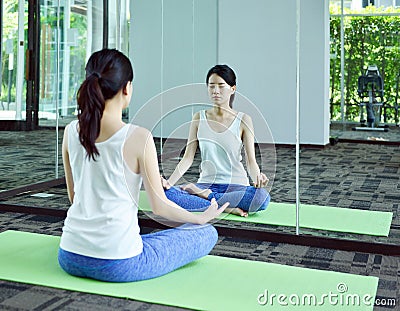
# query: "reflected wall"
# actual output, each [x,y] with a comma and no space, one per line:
[257,38]
[173,43]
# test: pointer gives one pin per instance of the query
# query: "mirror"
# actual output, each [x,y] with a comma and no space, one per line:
[352,180]
[272,90]
[27,156]
[185,40]
[69,31]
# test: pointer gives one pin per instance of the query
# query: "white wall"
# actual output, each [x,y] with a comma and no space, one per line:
[314,72]
[262,49]
[257,38]
[169,47]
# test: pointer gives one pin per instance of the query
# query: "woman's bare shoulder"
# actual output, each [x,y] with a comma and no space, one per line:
[138,133]
[196,116]
[246,117]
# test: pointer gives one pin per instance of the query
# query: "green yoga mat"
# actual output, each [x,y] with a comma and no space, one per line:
[210,283]
[313,216]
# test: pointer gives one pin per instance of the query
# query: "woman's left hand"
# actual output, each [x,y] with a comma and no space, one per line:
[261,181]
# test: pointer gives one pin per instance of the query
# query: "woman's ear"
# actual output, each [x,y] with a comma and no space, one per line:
[126,88]
[234,88]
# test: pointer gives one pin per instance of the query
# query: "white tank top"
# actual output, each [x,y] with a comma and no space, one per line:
[221,153]
[102,222]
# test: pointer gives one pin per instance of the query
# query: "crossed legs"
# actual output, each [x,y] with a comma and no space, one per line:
[242,199]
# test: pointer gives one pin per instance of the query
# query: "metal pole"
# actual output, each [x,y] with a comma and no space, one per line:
[58,44]
[193,49]
[36,57]
[342,61]
[162,73]
[105,24]
[297,116]
[19,82]
[1,48]
[89,33]
[118,13]
[32,65]
[10,71]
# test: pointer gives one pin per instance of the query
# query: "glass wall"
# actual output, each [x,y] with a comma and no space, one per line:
[12,64]
[118,30]
[26,157]
[70,31]
[43,82]
[357,175]
[365,36]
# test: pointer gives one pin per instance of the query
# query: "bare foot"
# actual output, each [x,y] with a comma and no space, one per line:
[236,211]
[193,189]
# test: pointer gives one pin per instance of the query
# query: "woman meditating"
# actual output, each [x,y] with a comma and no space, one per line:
[105,162]
[220,133]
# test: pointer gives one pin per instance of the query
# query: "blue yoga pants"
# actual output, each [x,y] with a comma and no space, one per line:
[248,198]
[163,252]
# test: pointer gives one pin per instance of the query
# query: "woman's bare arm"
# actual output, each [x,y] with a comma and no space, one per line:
[259,179]
[141,144]
[67,166]
[190,151]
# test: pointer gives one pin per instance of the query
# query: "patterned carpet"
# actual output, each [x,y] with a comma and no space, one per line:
[352,175]
[14,296]
[354,131]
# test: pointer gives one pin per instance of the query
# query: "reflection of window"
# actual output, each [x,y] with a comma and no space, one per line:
[366,3]
[376,29]
[379,3]
[385,3]
[360,4]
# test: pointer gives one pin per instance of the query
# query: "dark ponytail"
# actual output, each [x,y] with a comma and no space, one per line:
[226,73]
[107,72]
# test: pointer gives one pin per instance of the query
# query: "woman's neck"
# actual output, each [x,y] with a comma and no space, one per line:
[111,121]
[222,109]
[113,108]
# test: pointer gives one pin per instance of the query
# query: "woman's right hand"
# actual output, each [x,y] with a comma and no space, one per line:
[262,181]
[212,211]
[165,183]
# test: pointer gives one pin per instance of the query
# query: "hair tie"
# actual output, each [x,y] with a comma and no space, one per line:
[96,74]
